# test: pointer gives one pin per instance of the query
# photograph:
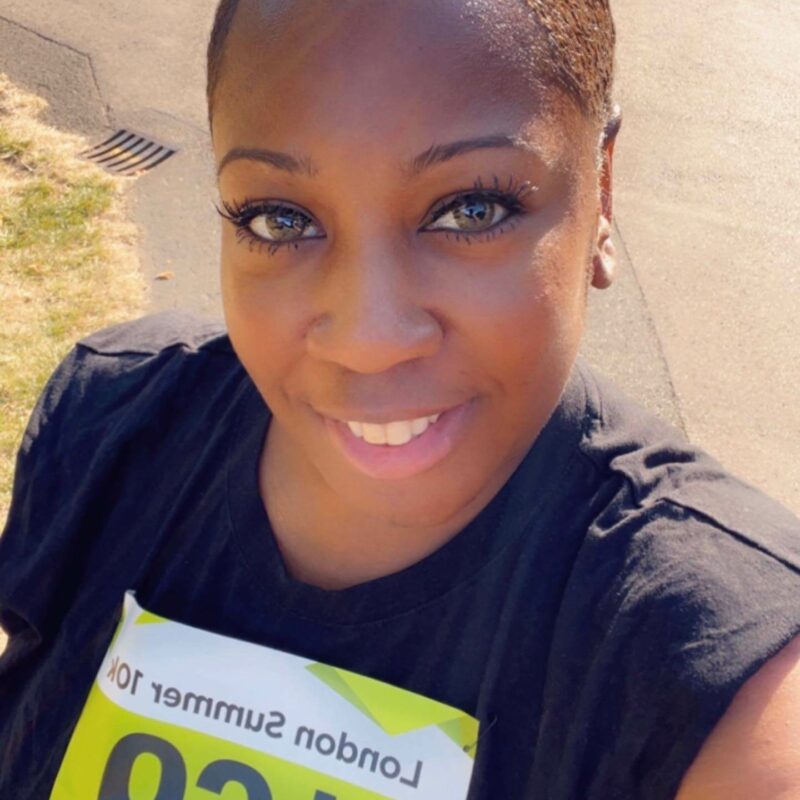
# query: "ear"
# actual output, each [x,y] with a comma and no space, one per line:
[604,260]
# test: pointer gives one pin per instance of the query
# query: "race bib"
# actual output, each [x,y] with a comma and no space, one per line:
[177,713]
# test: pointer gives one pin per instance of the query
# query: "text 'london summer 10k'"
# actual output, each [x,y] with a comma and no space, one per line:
[175,709]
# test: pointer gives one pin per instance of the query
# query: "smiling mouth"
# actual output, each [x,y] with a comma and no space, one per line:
[400,448]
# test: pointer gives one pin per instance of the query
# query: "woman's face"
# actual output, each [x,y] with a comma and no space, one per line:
[413,224]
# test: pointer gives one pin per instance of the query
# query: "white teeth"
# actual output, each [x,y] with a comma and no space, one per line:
[357,429]
[394,434]
[374,434]
[398,433]
[420,425]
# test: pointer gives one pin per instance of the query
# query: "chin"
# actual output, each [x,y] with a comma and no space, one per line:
[425,501]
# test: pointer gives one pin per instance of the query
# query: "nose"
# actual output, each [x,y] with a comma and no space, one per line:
[373,314]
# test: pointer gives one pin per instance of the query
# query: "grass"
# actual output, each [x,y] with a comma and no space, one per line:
[67,259]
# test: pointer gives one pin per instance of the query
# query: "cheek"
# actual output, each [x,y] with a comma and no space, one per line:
[527,312]
[266,319]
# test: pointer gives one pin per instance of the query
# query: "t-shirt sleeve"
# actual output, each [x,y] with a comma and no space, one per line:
[37,553]
[108,388]
[42,480]
[45,541]
[673,610]
[114,393]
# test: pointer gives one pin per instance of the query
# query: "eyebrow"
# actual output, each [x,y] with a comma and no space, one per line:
[274,158]
[434,155]
[439,153]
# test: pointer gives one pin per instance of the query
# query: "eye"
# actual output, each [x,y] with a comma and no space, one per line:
[470,213]
[481,210]
[270,222]
[283,224]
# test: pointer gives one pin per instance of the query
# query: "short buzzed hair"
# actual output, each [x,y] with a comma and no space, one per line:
[578,54]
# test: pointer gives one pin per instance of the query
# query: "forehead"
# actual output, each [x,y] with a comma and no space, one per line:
[390,70]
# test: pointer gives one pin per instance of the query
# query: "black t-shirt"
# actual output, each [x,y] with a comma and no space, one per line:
[597,617]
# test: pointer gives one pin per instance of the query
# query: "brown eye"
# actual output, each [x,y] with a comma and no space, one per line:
[282,224]
[470,214]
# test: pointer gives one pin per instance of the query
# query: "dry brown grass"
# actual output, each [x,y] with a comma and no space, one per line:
[67,259]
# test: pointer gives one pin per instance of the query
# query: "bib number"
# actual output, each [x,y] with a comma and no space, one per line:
[178,713]
[172,784]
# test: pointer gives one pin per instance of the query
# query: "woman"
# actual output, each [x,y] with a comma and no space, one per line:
[392,463]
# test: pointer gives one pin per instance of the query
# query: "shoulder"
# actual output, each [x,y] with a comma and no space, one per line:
[665,510]
[686,584]
[685,536]
[111,404]
[156,333]
[661,478]
[105,373]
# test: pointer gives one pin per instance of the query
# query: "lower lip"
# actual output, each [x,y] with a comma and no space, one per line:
[388,462]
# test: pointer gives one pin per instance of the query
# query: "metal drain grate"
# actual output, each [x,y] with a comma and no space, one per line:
[128,153]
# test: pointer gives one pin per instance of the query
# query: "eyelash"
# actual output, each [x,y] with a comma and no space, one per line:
[241,214]
[509,196]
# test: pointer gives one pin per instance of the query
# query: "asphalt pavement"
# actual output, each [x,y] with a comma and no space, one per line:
[703,325]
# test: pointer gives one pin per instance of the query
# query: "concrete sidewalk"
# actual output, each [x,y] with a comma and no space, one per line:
[703,325]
